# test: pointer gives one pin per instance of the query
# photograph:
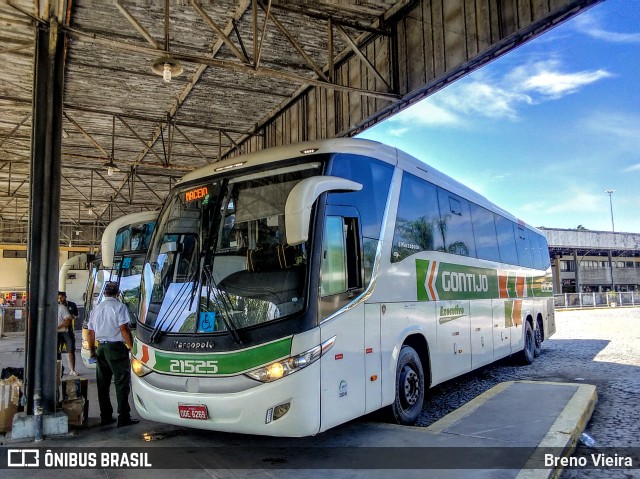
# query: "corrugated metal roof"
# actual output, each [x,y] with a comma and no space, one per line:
[210,109]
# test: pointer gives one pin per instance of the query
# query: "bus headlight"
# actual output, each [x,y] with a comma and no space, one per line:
[285,367]
[138,367]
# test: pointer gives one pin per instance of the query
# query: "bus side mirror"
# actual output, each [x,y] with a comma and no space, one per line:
[297,210]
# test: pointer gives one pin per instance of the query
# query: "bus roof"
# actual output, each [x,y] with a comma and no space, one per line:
[354,146]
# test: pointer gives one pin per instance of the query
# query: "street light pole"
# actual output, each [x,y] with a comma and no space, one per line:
[610,193]
[613,230]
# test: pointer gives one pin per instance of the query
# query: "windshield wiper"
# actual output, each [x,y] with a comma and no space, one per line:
[209,247]
[223,301]
[158,330]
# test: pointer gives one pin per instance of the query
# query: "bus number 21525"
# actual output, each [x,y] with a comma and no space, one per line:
[193,366]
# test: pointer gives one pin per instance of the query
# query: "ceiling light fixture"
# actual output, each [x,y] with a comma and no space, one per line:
[110,165]
[167,67]
[90,206]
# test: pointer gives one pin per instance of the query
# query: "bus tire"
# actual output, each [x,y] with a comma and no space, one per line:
[410,387]
[537,339]
[526,356]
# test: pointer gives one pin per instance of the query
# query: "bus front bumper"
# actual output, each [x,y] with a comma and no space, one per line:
[247,412]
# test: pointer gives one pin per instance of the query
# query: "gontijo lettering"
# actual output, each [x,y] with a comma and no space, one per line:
[458,281]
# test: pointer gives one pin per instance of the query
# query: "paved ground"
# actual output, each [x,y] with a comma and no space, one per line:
[600,347]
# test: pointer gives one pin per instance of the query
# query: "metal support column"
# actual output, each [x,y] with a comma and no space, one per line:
[557,287]
[576,264]
[613,279]
[44,224]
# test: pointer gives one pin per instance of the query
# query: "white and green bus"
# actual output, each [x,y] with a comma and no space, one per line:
[293,289]
[123,249]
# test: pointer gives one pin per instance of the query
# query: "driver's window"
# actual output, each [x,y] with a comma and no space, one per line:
[334,263]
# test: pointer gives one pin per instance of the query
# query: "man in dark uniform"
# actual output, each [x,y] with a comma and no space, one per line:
[109,325]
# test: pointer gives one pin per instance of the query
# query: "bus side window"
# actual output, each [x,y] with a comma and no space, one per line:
[525,257]
[455,225]
[484,232]
[417,220]
[506,240]
[334,258]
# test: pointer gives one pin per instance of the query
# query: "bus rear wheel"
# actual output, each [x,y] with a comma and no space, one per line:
[409,387]
[526,356]
[538,339]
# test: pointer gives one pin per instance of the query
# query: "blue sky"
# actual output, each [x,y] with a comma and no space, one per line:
[544,130]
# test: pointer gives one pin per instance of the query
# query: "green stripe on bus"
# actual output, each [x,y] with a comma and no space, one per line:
[422,270]
[234,362]
[508,314]
[511,285]
[455,282]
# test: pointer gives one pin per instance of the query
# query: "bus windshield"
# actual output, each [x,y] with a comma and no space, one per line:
[220,261]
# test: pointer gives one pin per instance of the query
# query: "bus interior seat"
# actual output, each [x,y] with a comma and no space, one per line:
[271,258]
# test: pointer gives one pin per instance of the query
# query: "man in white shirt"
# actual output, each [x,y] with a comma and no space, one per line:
[66,335]
[109,325]
[65,320]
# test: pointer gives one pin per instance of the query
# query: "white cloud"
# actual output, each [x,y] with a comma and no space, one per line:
[427,113]
[496,98]
[546,79]
[483,99]
[397,131]
[576,199]
[615,125]
[632,168]
[533,206]
[556,84]
[589,24]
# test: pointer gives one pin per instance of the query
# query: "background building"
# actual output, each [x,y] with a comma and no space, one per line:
[586,261]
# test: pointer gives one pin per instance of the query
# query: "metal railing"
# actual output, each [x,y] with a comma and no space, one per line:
[12,320]
[596,300]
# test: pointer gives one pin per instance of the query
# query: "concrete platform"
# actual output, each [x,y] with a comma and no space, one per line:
[500,434]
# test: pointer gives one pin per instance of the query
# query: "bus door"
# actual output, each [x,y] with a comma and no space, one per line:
[372,357]
[481,332]
[502,321]
[342,380]
[453,338]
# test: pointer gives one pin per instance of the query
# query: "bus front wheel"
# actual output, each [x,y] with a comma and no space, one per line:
[409,387]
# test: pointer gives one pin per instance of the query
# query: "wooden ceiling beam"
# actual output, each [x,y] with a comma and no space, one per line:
[139,28]
[15,129]
[220,32]
[362,56]
[182,97]
[318,71]
[300,10]
[87,136]
[140,139]
[24,103]
[17,48]
[192,144]
[226,64]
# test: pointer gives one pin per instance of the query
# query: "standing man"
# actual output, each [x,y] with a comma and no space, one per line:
[67,337]
[109,325]
[65,322]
